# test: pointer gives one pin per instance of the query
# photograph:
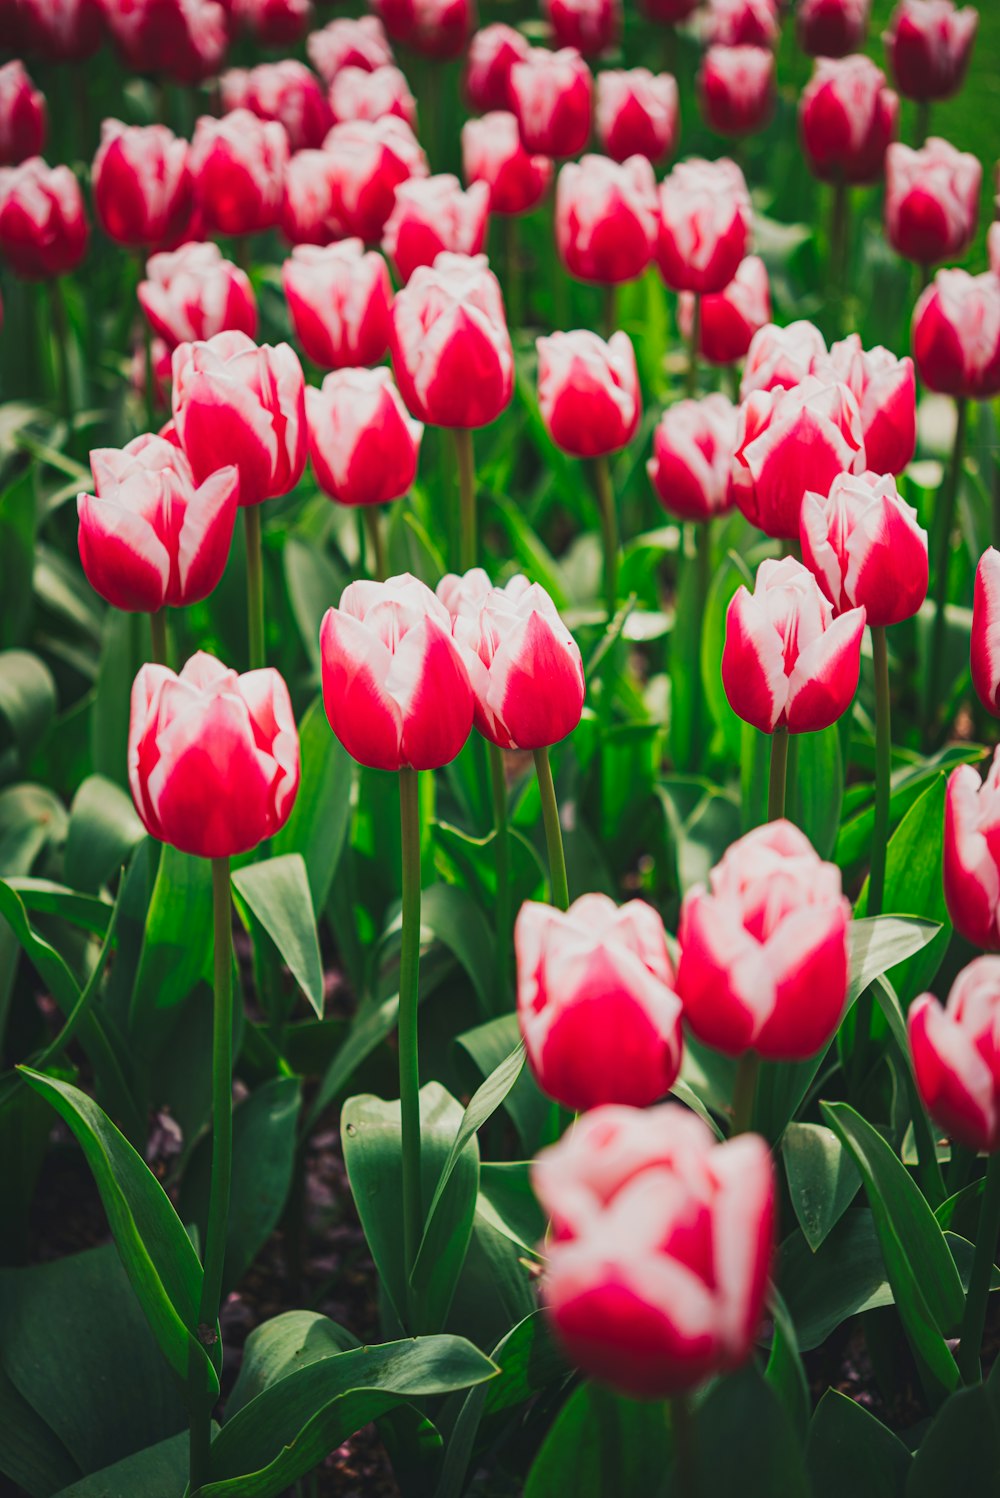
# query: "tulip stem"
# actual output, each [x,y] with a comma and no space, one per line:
[745,1091]
[610,309]
[409,985]
[553,831]
[693,345]
[779,770]
[255,587]
[158,631]
[376,543]
[923,123]
[466,498]
[149,386]
[498,783]
[945,520]
[512,272]
[839,236]
[609,531]
[686,1482]
[883,770]
[982,1272]
[60,330]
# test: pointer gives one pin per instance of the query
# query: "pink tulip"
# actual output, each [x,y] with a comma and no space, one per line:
[492,153]
[363,444]
[308,215]
[338,298]
[741,23]
[184,40]
[764,955]
[956,334]
[972,854]
[395,686]
[736,89]
[779,358]
[492,53]
[657,1270]
[551,96]
[348,43]
[596,1003]
[705,220]
[787,662]
[524,665]
[60,30]
[363,94]
[591,26]
[142,185]
[847,119]
[23,117]
[588,391]
[437,28]
[866,548]
[692,463]
[985,651]
[273,23]
[236,403]
[606,218]
[931,200]
[191,294]
[213,757]
[832,28]
[43,230]
[450,347]
[636,113]
[432,214]
[886,394]
[238,165]
[729,318]
[956,1055]
[286,92]
[928,45]
[149,536]
[368,161]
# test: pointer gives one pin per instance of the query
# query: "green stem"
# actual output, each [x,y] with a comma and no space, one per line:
[982,1272]
[609,531]
[553,831]
[512,272]
[60,329]
[745,1091]
[149,384]
[695,340]
[945,521]
[409,983]
[686,1484]
[923,122]
[839,234]
[466,498]
[883,770]
[779,770]
[498,783]
[255,588]
[376,543]
[158,631]
[610,309]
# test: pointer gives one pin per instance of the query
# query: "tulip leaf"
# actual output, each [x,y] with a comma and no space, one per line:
[103,830]
[908,782]
[508,1204]
[489,1045]
[822,1178]
[18,523]
[318,824]
[844,1276]
[784,1371]
[816,786]
[153,1473]
[27,702]
[961,1451]
[276,892]
[450,915]
[850,1451]
[767,1459]
[177,946]
[601,1443]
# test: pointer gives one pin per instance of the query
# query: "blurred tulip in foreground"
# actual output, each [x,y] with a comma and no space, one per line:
[141,184]
[338,298]
[591,26]
[736,89]
[371,94]
[669,12]
[23,117]
[273,23]
[285,91]
[363,443]
[847,119]
[492,153]
[866,548]
[832,28]
[347,42]
[741,23]
[606,218]
[886,394]
[368,159]
[551,97]
[928,45]
[43,230]
[729,318]
[191,294]
[956,1055]
[972,854]
[692,463]
[636,113]
[184,40]
[705,221]
[308,215]
[931,201]
[956,334]
[493,51]
[588,391]
[437,28]
[432,214]
[61,30]
[779,358]
[238,166]
[985,651]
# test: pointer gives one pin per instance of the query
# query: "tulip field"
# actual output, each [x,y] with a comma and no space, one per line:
[499,769]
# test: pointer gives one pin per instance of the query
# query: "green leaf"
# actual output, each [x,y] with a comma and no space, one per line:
[822,1178]
[44,897]
[31,819]
[746,1442]
[280,1346]
[276,892]
[849,1451]
[31,1455]
[314,584]
[158,1472]
[18,510]
[508,1203]
[119,661]
[601,1443]
[817,786]
[961,1451]
[177,949]
[103,830]
[844,1276]
[784,1371]
[317,826]
[27,702]
[854,839]
[450,915]
[489,1046]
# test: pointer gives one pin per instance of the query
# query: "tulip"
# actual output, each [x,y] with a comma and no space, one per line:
[492,153]
[191,294]
[432,214]
[591,26]
[764,954]
[597,971]
[606,218]
[956,1055]
[43,230]
[437,28]
[790,441]
[971,857]
[847,118]
[985,644]
[885,390]
[551,96]
[184,40]
[286,92]
[656,1273]
[308,215]
[273,23]
[956,335]
[363,444]
[492,53]
[705,220]
[669,12]
[636,113]
[931,201]
[363,94]
[729,318]
[338,298]
[928,45]
[780,358]
[238,165]
[832,28]
[866,548]
[67,31]
[742,23]
[368,161]
[23,116]
[142,185]
[348,43]
[736,89]
[691,466]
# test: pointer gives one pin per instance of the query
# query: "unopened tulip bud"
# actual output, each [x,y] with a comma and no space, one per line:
[985,651]
[363,444]
[971,854]
[705,221]
[692,463]
[928,45]
[184,40]
[931,201]
[591,26]
[23,116]
[43,230]
[551,96]
[432,214]
[736,89]
[492,53]
[492,153]
[284,91]
[436,28]
[338,299]
[588,391]
[606,218]
[273,23]
[238,167]
[847,119]
[741,23]
[142,185]
[866,548]
[779,358]
[371,94]
[956,1055]
[956,335]
[832,28]
[191,294]
[636,113]
[348,43]
[729,318]
[368,159]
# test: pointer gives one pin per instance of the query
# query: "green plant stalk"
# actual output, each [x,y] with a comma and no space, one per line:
[409,981]
[839,240]
[255,588]
[610,309]
[695,340]
[498,785]
[512,271]
[923,122]
[702,562]
[609,531]
[149,385]
[971,1336]
[945,520]
[778,774]
[158,633]
[376,543]
[60,330]
[883,770]
[553,831]
[467,548]
[745,1091]
[686,1484]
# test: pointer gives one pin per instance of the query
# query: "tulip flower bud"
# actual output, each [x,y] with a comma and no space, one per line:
[606,218]
[886,394]
[67,31]
[238,165]
[43,231]
[213,757]
[596,971]
[692,463]
[492,153]
[931,200]
[705,221]
[832,28]
[23,116]
[307,212]
[184,40]
[191,294]
[524,665]
[985,651]
[780,358]
[551,96]
[764,955]
[432,214]
[588,391]
[437,28]
[736,89]
[338,298]
[368,159]
[285,92]
[450,347]
[928,45]
[847,118]
[142,185]
[866,548]
[669,12]
[348,43]
[657,1267]
[787,662]
[235,402]
[636,113]
[395,686]
[591,26]
[956,1055]
[363,444]
[956,334]
[492,53]
[729,318]
[363,94]
[971,856]
[741,23]
[273,23]
[149,536]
